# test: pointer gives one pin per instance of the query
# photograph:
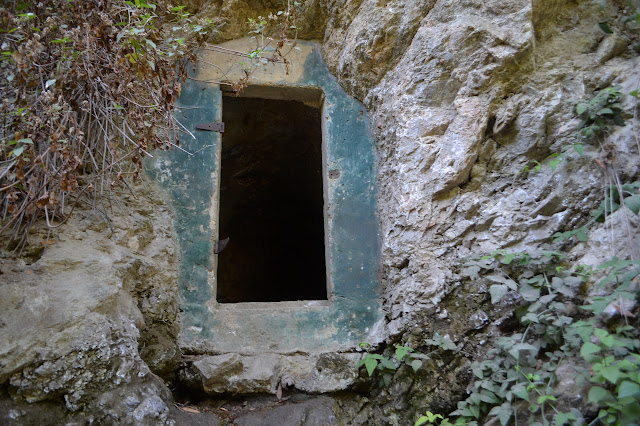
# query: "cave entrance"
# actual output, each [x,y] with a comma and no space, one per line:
[271,198]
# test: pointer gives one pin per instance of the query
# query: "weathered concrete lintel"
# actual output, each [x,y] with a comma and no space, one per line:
[270,306]
[311,96]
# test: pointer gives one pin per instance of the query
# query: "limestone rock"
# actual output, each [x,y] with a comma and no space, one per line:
[73,319]
[612,45]
[238,375]
[235,374]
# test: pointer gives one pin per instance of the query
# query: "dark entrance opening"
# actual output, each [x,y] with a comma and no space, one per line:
[271,202]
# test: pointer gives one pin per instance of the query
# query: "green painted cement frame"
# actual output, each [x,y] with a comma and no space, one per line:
[351,230]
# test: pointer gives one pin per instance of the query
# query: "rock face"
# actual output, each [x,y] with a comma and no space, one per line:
[463,96]
[236,374]
[88,322]
[473,94]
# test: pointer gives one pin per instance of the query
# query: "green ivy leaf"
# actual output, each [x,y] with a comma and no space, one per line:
[371,364]
[631,410]
[628,389]
[503,412]
[598,395]
[581,108]
[544,398]
[633,203]
[401,351]
[477,369]
[475,410]
[531,317]
[497,278]
[488,397]
[415,364]
[589,349]
[608,339]
[422,420]
[582,232]
[597,306]
[578,147]
[447,344]
[583,329]
[562,418]
[528,292]
[431,418]
[612,373]
[520,390]
[18,151]
[508,258]
[388,364]
[515,351]
[497,292]
[463,412]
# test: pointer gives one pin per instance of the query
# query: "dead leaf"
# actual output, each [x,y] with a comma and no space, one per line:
[47,242]
[17,57]
[623,311]
[279,391]
[190,410]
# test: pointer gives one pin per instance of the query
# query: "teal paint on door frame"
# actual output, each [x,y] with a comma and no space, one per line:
[191,183]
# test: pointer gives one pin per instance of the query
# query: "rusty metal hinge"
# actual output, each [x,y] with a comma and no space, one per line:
[212,127]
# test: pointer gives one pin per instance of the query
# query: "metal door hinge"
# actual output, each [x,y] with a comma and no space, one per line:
[212,127]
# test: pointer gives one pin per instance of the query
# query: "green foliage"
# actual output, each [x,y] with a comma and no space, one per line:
[613,200]
[513,371]
[615,363]
[520,369]
[598,115]
[552,160]
[429,417]
[580,234]
[386,366]
[403,355]
[603,110]
[435,419]
[623,275]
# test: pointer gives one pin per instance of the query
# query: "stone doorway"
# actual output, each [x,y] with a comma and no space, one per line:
[343,309]
[271,202]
